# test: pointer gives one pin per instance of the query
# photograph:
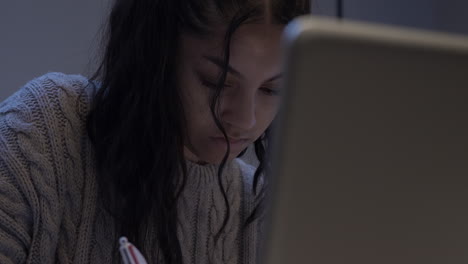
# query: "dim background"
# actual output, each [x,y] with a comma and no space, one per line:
[40,36]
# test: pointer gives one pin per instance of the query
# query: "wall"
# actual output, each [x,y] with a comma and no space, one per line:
[60,35]
[37,37]
[441,15]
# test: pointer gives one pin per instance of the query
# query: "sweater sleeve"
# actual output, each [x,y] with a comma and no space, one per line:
[32,154]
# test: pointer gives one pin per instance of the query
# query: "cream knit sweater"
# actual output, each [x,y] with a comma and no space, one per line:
[49,211]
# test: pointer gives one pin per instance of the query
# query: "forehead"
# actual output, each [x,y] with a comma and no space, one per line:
[258,40]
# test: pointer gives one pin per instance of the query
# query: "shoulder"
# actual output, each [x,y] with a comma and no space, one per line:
[55,86]
[56,92]
[44,121]
[53,80]
[48,101]
[43,124]
[41,130]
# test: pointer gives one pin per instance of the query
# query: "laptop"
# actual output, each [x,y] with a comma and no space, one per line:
[370,151]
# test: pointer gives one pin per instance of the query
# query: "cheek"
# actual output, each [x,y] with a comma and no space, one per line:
[267,111]
[196,110]
[198,116]
[195,97]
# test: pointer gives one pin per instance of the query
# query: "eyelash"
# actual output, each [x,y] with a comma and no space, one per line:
[210,84]
[270,92]
[265,90]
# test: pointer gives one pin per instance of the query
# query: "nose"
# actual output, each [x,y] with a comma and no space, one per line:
[238,111]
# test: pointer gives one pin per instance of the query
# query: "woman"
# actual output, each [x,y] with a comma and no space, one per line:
[148,147]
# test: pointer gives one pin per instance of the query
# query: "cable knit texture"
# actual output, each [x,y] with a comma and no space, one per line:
[49,211]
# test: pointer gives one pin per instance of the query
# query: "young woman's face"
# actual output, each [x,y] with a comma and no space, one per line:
[250,99]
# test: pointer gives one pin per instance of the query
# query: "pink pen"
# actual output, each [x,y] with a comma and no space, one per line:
[130,254]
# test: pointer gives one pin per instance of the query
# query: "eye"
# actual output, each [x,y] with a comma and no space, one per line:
[269,91]
[207,83]
[211,84]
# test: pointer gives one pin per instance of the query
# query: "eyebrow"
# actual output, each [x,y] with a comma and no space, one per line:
[220,63]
